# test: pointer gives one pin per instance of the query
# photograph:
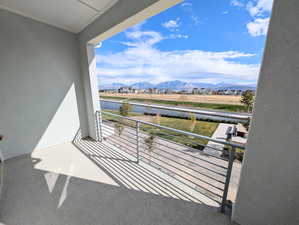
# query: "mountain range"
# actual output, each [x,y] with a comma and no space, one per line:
[177,85]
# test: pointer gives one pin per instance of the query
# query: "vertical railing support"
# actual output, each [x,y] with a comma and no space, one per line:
[137,139]
[99,125]
[232,155]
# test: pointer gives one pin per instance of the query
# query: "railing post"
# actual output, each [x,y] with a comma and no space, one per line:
[232,155]
[137,139]
[99,126]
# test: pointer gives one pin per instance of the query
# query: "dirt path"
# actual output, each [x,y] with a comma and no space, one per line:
[220,99]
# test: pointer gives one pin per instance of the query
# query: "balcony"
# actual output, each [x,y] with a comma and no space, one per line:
[199,163]
[118,170]
[91,182]
[128,173]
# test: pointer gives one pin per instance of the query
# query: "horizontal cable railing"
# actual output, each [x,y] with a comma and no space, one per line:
[229,115]
[189,161]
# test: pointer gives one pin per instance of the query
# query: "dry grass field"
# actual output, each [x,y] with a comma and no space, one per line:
[218,99]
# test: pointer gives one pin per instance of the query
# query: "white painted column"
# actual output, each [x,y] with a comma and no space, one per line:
[90,82]
[269,186]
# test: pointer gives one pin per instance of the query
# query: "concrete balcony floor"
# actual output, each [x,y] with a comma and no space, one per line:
[91,183]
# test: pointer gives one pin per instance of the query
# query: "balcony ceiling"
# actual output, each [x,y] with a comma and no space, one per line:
[71,15]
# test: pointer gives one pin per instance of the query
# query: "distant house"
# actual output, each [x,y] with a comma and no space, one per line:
[229,92]
[195,91]
[127,90]
[107,91]
[153,91]
[202,91]
[165,91]
[239,92]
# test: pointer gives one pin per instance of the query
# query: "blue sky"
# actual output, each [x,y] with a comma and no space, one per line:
[195,41]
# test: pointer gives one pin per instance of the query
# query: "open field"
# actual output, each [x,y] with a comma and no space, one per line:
[201,127]
[228,103]
[218,99]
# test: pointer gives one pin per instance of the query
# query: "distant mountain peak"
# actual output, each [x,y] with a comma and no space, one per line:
[178,85]
[142,85]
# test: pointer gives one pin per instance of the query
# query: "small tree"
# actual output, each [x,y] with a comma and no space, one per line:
[192,122]
[149,142]
[125,109]
[247,99]
[119,127]
[157,119]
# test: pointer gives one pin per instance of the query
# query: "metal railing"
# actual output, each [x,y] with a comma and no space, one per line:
[230,115]
[188,157]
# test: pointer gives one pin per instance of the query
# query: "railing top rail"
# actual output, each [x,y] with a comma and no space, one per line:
[178,131]
[229,115]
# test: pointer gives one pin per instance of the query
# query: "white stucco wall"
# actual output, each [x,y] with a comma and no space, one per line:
[48,84]
[41,97]
[269,185]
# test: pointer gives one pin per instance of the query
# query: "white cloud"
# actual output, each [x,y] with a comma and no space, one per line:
[259,10]
[259,7]
[142,38]
[224,12]
[195,19]
[258,27]
[186,4]
[237,3]
[175,36]
[187,7]
[172,25]
[142,61]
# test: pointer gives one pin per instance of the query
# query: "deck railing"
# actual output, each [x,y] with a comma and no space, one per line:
[203,163]
[211,113]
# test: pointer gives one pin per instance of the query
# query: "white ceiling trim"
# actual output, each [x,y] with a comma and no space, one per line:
[142,15]
[98,12]
[35,18]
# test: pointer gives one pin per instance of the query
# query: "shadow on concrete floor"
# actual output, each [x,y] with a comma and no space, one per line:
[35,197]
